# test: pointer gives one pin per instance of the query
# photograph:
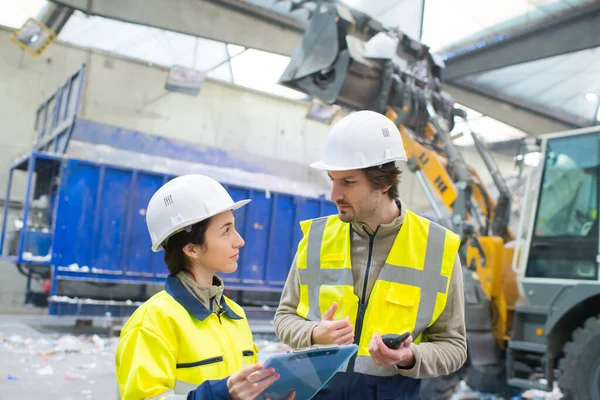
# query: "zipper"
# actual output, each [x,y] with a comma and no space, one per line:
[362,308]
[221,311]
[366,281]
[232,345]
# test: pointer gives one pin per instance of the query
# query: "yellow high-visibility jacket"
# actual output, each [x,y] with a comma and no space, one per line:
[173,346]
[410,292]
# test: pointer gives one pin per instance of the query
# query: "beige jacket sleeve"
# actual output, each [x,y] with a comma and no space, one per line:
[444,346]
[291,328]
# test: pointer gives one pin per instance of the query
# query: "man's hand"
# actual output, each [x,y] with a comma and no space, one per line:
[329,331]
[383,355]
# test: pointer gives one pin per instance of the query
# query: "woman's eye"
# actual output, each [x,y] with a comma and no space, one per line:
[226,231]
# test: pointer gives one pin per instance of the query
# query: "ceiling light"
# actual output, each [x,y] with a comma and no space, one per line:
[591,96]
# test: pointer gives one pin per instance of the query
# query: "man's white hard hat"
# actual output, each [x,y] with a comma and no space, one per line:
[360,140]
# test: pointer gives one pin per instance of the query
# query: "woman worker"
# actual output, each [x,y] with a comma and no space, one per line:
[189,341]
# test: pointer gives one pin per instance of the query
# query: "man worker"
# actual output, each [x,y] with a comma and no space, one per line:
[375,268]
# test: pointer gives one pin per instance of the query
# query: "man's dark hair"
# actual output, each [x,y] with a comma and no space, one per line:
[175,258]
[385,175]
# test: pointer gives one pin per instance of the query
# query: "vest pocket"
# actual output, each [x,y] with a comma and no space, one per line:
[392,308]
[403,305]
[199,371]
[403,295]
[208,361]
[250,356]
[333,261]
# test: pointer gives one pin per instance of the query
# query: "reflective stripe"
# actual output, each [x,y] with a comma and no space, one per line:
[313,277]
[169,395]
[430,279]
[183,388]
[366,365]
[315,239]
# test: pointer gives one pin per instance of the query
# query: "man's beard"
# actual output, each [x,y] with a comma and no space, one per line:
[361,211]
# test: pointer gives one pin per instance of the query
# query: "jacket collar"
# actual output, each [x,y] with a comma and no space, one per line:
[383,229]
[191,304]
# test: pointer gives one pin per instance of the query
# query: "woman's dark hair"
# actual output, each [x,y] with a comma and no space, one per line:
[385,175]
[175,258]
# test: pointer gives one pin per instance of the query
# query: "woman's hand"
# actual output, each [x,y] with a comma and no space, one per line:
[252,381]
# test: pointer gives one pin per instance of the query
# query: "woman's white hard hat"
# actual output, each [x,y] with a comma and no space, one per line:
[183,202]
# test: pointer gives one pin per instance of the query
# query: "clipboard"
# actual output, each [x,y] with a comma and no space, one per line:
[306,371]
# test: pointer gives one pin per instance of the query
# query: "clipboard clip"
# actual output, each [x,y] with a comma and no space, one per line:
[315,347]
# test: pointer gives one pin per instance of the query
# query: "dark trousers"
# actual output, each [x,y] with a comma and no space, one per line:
[345,386]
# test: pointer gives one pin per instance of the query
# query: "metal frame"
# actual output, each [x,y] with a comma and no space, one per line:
[27,163]
[54,122]
[568,32]
[228,21]
[65,107]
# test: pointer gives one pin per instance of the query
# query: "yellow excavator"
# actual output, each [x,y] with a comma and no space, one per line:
[532,299]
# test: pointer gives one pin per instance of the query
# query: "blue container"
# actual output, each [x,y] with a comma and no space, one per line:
[99,232]
[101,227]
[96,215]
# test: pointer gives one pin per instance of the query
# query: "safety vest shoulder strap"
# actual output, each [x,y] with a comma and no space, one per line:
[323,265]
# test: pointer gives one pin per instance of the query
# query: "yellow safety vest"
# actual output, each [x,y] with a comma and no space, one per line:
[409,294]
[172,343]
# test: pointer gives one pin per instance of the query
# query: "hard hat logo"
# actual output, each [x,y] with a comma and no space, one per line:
[360,140]
[198,197]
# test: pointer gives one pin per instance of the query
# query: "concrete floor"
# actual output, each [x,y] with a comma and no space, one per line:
[82,367]
[50,358]
[53,359]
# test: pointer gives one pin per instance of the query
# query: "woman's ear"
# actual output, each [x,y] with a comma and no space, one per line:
[193,251]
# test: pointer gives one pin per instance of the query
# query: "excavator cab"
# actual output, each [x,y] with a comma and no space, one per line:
[564,238]
[556,324]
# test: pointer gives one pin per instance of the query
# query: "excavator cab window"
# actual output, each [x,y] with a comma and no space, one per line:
[565,238]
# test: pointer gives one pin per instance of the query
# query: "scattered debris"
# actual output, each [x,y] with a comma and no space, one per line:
[73,377]
[47,370]
[88,366]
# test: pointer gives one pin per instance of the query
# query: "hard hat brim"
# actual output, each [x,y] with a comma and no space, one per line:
[326,167]
[234,206]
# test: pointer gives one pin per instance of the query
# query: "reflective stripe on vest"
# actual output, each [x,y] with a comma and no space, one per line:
[409,294]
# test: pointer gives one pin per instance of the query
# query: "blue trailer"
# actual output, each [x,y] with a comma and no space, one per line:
[84,219]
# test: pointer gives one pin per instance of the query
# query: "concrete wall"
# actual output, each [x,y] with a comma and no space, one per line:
[127,93]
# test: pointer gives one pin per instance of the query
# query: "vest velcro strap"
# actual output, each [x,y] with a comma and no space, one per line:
[366,365]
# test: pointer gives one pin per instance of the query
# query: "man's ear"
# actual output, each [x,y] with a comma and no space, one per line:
[385,189]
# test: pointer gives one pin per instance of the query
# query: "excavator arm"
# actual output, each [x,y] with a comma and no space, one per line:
[349,59]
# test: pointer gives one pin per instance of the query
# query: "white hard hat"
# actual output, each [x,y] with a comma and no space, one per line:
[360,140]
[184,201]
